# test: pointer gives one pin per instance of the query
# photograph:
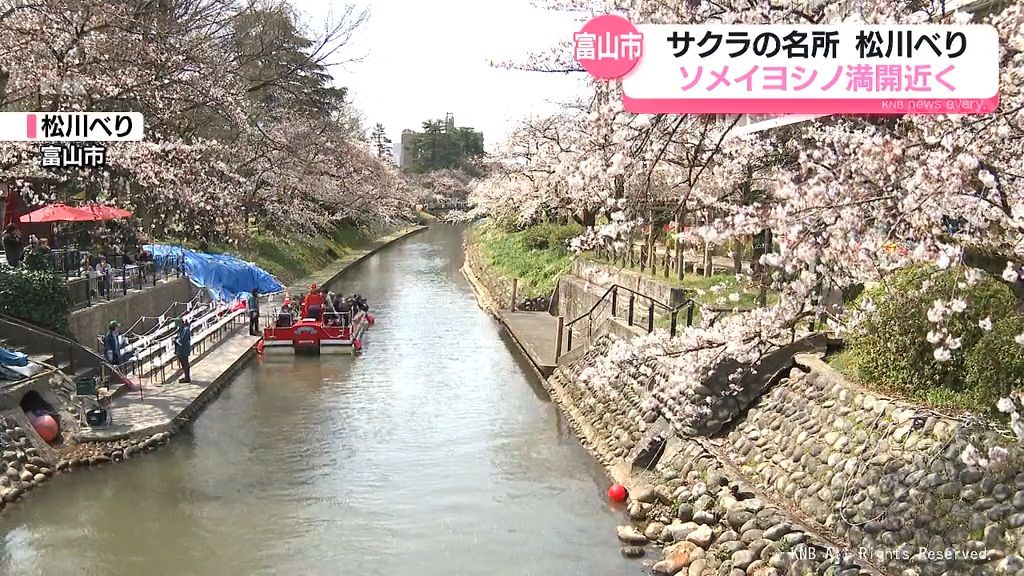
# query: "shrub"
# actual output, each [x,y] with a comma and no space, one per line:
[35,296]
[995,365]
[550,236]
[36,259]
[892,350]
[537,238]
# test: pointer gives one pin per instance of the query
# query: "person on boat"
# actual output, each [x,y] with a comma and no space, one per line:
[345,311]
[284,317]
[254,312]
[312,306]
[360,303]
[330,312]
[336,301]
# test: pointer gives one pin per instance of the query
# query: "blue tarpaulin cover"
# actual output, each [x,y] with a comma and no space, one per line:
[11,358]
[226,277]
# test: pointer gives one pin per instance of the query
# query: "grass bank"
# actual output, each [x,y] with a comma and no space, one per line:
[293,257]
[536,255]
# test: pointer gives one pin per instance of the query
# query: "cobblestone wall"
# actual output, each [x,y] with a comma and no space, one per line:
[813,467]
[886,476]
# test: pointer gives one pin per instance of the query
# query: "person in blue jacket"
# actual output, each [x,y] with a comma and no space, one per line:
[183,348]
[112,343]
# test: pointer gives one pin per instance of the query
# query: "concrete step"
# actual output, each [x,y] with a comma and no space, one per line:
[41,358]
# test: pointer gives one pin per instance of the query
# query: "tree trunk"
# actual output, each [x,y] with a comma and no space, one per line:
[629,250]
[737,255]
[708,255]
[589,219]
[763,296]
[651,254]
[680,253]
[667,258]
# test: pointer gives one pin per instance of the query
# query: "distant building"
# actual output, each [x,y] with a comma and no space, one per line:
[409,138]
[406,145]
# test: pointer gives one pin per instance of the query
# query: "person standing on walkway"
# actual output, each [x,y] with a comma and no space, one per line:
[112,344]
[13,244]
[254,312]
[182,349]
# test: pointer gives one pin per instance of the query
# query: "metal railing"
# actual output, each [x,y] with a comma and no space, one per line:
[62,353]
[151,359]
[611,296]
[87,286]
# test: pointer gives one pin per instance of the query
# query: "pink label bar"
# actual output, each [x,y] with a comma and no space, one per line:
[811,106]
[30,126]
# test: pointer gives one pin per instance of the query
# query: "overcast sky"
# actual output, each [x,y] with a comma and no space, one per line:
[426,58]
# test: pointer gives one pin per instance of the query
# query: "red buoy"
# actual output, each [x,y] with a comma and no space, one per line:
[617,493]
[45,426]
[357,344]
[369,319]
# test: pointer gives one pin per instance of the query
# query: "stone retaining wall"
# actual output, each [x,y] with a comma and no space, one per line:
[606,275]
[806,474]
[884,475]
[814,466]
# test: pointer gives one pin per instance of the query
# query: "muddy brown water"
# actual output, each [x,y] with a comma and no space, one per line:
[437,452]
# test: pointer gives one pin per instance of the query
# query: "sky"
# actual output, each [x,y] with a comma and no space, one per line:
[422,59]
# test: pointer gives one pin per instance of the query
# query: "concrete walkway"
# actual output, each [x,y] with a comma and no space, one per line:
[536,333]
[162,405]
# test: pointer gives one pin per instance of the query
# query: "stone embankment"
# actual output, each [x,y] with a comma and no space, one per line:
[816,474]
[799,473]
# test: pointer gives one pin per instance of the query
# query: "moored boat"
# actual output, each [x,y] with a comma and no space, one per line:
[315,331]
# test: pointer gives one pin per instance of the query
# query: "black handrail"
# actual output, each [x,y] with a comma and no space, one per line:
[613,291]
[60,345]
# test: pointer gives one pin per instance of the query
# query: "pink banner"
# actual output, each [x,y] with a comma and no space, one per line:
[810,106]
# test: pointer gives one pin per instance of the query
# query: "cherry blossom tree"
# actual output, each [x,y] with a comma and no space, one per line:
[834,192]
[243,126]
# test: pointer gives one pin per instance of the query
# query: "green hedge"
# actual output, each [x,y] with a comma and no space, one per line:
[549,236]
[995,365]
[891,349]
[40,298]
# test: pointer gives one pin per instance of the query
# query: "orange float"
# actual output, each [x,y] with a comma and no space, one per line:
[617,493]
[46,426]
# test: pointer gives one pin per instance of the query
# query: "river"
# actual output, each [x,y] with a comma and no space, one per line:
[437,452]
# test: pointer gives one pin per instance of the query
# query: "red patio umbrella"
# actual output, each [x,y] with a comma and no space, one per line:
[58,213]
[103,212]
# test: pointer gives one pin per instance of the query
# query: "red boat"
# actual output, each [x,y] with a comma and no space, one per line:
[318,332]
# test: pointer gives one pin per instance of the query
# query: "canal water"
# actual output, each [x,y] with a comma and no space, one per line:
[435,453]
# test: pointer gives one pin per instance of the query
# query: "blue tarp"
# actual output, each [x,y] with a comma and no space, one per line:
[11,358]
[226,277]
